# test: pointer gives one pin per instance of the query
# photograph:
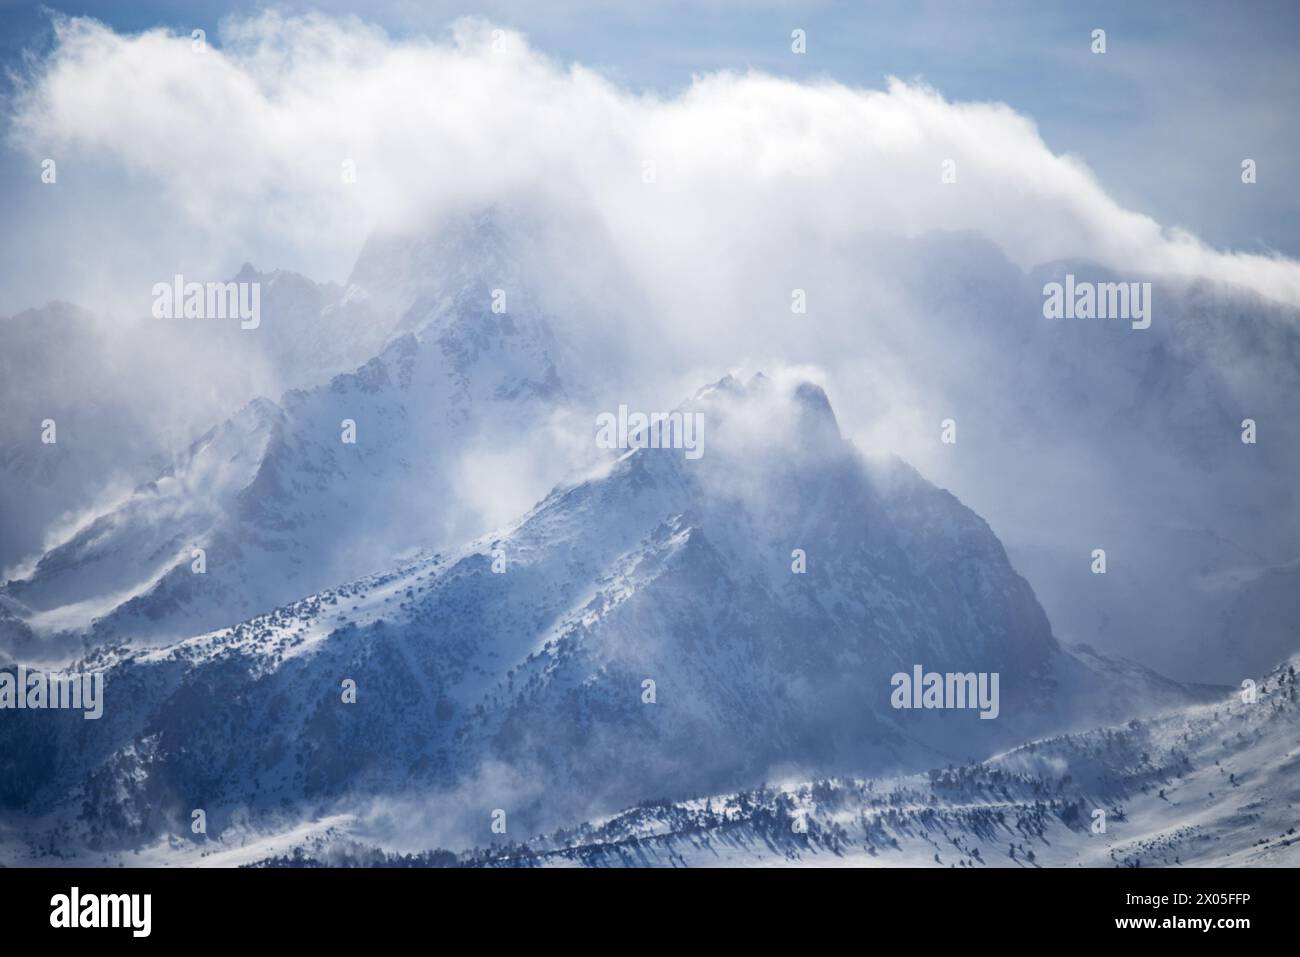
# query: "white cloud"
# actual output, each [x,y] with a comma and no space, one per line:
[244,145]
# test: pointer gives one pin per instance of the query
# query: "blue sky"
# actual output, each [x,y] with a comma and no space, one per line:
[1185,91]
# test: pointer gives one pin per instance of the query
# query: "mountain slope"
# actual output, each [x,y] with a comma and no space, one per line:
[126,391]
[1210,785]
[281,504]
[514,668]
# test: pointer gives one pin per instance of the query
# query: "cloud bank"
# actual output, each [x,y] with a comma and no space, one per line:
[241,146]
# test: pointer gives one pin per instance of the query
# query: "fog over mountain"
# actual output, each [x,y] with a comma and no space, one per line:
[467,254]
[529,651]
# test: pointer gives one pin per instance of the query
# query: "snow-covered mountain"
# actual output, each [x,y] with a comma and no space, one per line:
[1209,785]
[1078,434]
[126,391]
[1074,435]
[663,625]
[280,503]
[515,668]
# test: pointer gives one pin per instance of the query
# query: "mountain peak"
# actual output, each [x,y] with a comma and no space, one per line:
[770,412]
[466,255]
[816,408]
